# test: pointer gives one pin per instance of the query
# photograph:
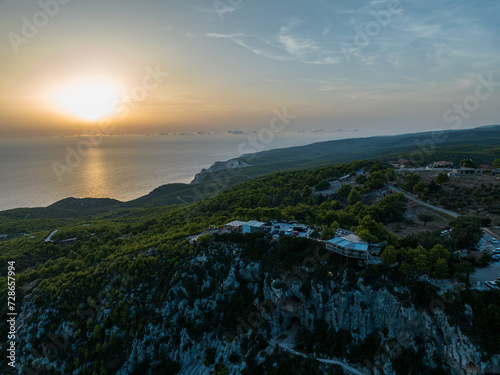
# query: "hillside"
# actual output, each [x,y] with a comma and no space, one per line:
[420,147]
[481,144]
[128,292]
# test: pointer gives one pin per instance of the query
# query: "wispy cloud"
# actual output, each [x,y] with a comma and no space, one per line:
[288,44]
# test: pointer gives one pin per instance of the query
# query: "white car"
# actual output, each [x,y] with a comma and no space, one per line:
[494,240]
[496,257]
[491,284]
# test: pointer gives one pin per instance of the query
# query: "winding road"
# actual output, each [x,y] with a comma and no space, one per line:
[345,366]
[435,208]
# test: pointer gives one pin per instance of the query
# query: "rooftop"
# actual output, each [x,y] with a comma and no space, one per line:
[351,241]
[253,223]
[235,223]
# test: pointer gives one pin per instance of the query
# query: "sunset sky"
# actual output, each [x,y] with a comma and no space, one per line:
[173,66]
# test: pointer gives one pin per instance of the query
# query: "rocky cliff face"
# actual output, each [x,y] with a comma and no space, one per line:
[365,310]
[193,317]
[218,166]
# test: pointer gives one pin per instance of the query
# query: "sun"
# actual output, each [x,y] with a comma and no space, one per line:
[88,100]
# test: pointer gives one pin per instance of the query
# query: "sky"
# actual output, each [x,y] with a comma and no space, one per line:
[133,67]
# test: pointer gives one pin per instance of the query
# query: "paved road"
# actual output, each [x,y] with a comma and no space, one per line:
[435,208]
[345,366]
[481,275]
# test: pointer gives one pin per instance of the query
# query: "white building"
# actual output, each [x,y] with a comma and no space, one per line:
[349,246]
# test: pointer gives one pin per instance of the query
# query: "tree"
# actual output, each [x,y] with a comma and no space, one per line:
[467,163]
[344,190]
[375,180]
[485,221]
[327,233]
[440,269]
[419,187]
[360,179]
[467,268]
[392,207]
[354,196]
[410,181]
[425,218]
[442,178]
[306,192]
[389,256]
[322,185]
[467,231]
[439,252]
[496,163]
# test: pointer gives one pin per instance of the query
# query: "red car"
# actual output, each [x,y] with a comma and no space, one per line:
[295,234]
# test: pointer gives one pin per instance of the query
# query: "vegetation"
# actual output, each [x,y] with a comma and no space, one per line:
[115,274]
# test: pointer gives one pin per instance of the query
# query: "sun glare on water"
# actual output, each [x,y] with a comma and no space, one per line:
[88,100]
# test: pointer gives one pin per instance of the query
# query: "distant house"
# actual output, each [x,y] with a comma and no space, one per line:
[252,226]
[485,167]
[401,163]
[465,170]
[442,164]
[349,245]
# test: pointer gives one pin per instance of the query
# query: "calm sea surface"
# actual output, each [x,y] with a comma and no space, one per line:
[123,168]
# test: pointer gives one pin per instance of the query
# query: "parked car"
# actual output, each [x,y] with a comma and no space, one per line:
[275,231]
[289,232]
[491,284]
[281,232]
[295,234]
[496,257]
[494,240]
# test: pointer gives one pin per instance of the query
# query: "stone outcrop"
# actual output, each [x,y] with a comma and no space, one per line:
[364,310]
[360,310]
[218,166]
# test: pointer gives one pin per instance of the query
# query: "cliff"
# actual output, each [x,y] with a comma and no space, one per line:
[229,305]
[217,167]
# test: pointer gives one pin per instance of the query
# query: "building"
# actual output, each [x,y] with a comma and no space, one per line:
[252,226]
[235,225]
[349,245]
[464,170]
[442,164]
[401,163]
[485,167]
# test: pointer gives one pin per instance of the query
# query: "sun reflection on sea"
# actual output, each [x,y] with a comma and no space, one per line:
[95,182]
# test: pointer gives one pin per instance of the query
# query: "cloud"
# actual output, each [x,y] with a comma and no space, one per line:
[288,44]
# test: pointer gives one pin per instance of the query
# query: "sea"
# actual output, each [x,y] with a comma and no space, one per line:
[37,172]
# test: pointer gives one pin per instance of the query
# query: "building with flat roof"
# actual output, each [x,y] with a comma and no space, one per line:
[465,170]
[349,245]
[442,164]
[252,226]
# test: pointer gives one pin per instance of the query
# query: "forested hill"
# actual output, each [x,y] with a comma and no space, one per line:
[151,291]
[481,144]
[419,147]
